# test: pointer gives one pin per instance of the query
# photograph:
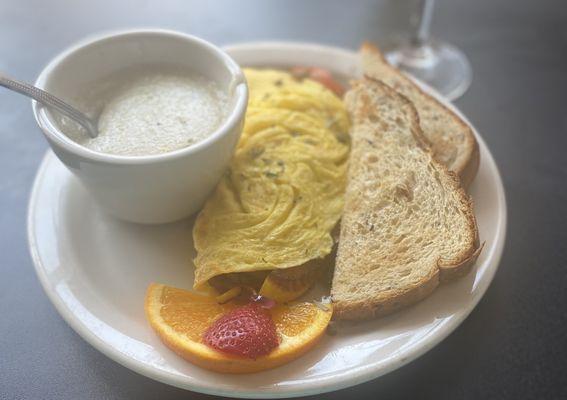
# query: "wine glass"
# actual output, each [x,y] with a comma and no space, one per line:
[439,64]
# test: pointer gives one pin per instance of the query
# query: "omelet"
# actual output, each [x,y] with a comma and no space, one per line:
[282,195]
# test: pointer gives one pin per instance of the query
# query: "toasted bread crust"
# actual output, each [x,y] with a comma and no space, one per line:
[380,306]
[386,302]
[467,168]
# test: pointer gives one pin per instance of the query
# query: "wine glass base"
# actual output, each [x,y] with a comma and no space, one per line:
[440,65]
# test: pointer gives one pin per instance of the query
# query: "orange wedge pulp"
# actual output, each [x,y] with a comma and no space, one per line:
[181,318]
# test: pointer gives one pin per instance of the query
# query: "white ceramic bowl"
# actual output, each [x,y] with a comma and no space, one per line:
[154,188]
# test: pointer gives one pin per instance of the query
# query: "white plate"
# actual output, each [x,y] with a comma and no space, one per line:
[95,270]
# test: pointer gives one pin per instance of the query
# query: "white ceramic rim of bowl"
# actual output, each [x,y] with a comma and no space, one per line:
[327,384]
[238,109]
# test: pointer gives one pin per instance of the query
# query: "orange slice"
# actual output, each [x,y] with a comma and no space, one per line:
[181,318]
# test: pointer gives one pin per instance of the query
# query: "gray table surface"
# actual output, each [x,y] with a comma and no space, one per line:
[513,346]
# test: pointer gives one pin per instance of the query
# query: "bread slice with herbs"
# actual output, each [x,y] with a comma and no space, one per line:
[407,224]
[451,139]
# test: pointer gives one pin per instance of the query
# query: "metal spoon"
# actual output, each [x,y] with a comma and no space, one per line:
[49,100]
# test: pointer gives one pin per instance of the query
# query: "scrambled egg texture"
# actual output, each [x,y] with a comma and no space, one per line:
[280,199]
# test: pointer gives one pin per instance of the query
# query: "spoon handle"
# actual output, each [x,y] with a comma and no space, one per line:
[49,100]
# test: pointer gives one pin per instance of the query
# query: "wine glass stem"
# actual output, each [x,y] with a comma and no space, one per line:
[421,30]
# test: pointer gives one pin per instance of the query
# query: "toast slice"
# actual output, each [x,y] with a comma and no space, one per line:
[451,139]
[407,224]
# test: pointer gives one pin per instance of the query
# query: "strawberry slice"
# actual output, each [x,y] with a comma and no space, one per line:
[320,75]
[247,331]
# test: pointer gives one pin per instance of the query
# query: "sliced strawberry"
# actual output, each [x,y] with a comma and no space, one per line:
[321,75]
[247,331]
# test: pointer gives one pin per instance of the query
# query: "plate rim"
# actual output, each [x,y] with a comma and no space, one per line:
[323,385]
